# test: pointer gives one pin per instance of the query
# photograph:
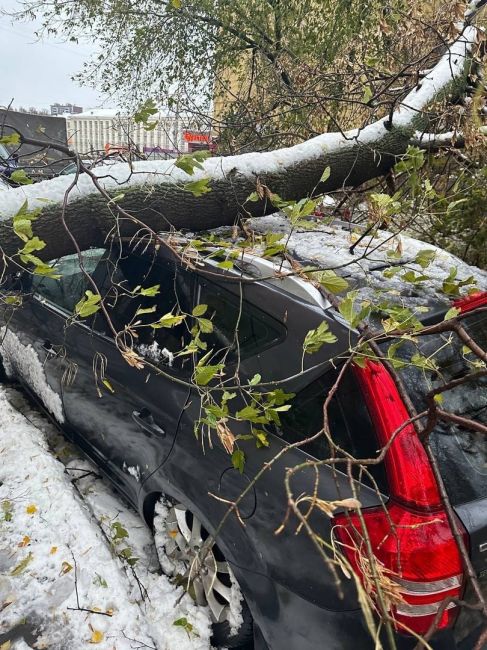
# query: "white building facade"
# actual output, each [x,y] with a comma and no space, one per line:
[103,130]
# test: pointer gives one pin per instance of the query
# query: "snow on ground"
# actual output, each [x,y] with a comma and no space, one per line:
[62,533]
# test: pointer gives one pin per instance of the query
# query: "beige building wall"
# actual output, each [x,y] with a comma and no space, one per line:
[95,130]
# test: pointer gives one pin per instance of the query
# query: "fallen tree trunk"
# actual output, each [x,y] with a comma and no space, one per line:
[154,192]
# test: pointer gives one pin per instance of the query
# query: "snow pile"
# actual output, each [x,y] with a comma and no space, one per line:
[156,354]
[328,247]
[60,545]
[23,361]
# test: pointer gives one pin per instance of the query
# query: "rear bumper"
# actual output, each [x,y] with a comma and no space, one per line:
[297,624]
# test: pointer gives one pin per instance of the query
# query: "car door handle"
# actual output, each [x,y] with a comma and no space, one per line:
[145,421]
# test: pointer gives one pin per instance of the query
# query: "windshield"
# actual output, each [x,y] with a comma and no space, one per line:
[461,453]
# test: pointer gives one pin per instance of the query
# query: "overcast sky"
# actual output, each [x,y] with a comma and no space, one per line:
[38,73]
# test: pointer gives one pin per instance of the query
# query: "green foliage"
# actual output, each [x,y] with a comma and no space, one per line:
[88,305]
[183,622]
[7,510]
[98,581]
[198,188]
[20,177]
[22,565]
[188,162]
[12,139]
[144,114]
[238,460]
[146,54]
[315,339]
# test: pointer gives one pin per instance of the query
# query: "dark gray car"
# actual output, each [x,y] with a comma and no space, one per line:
[138,426]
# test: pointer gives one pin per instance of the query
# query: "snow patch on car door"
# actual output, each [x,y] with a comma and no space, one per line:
[22,361]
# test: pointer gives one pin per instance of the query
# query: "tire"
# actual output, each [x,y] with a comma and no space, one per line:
[179,538]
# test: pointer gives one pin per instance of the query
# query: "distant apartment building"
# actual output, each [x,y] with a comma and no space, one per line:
[62,109]
[110,131]
[106,130]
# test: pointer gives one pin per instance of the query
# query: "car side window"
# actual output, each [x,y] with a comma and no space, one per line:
[240,329]
[138,291]
[349,421]
[67,290]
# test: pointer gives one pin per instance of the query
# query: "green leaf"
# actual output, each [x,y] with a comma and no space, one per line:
[425,257]
[198,188]
[332,282]
[31,245]
[188,162]
[247,413]
[168,320]
[256,379]
[199,310]
[261,438]
[326,174]
[204,374]
[11,139]
[368,94]
[88,305]
[315,339]
[176,4]
[145,310]
[149,291]
[19,176]
[346,307]
[99,581]
[253,197]
[227,264]
[22,565]
[238,460]
[118,532]
[205,325]
[144,113]
[452,313]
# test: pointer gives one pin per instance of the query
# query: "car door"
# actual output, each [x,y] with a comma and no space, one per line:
[34,334]
[126,414]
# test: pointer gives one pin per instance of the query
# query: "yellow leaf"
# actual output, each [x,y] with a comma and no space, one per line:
[24,542]
[6,646]
[173,533]
[96,636]
[31,509]
[53,550]
[66,567]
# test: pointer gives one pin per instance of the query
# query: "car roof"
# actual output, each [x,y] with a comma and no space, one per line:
[326,246]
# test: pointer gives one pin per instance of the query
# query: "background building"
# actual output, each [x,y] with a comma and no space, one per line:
[38,162]
[105,130]
[61,109]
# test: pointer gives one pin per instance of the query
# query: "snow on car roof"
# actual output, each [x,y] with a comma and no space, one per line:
[328,247]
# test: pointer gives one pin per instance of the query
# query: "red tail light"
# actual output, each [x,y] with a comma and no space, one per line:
[474,300]
[411,537]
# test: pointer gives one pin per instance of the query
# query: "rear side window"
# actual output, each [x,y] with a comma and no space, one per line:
[349,421]
[121,280]
[461,453]
[240,329]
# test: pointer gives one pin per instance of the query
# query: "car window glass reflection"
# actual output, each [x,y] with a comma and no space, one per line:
[67,290]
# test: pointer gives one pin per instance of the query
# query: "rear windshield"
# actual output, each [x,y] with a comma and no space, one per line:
[461,453]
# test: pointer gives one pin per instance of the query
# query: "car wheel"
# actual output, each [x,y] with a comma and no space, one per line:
[179,537]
